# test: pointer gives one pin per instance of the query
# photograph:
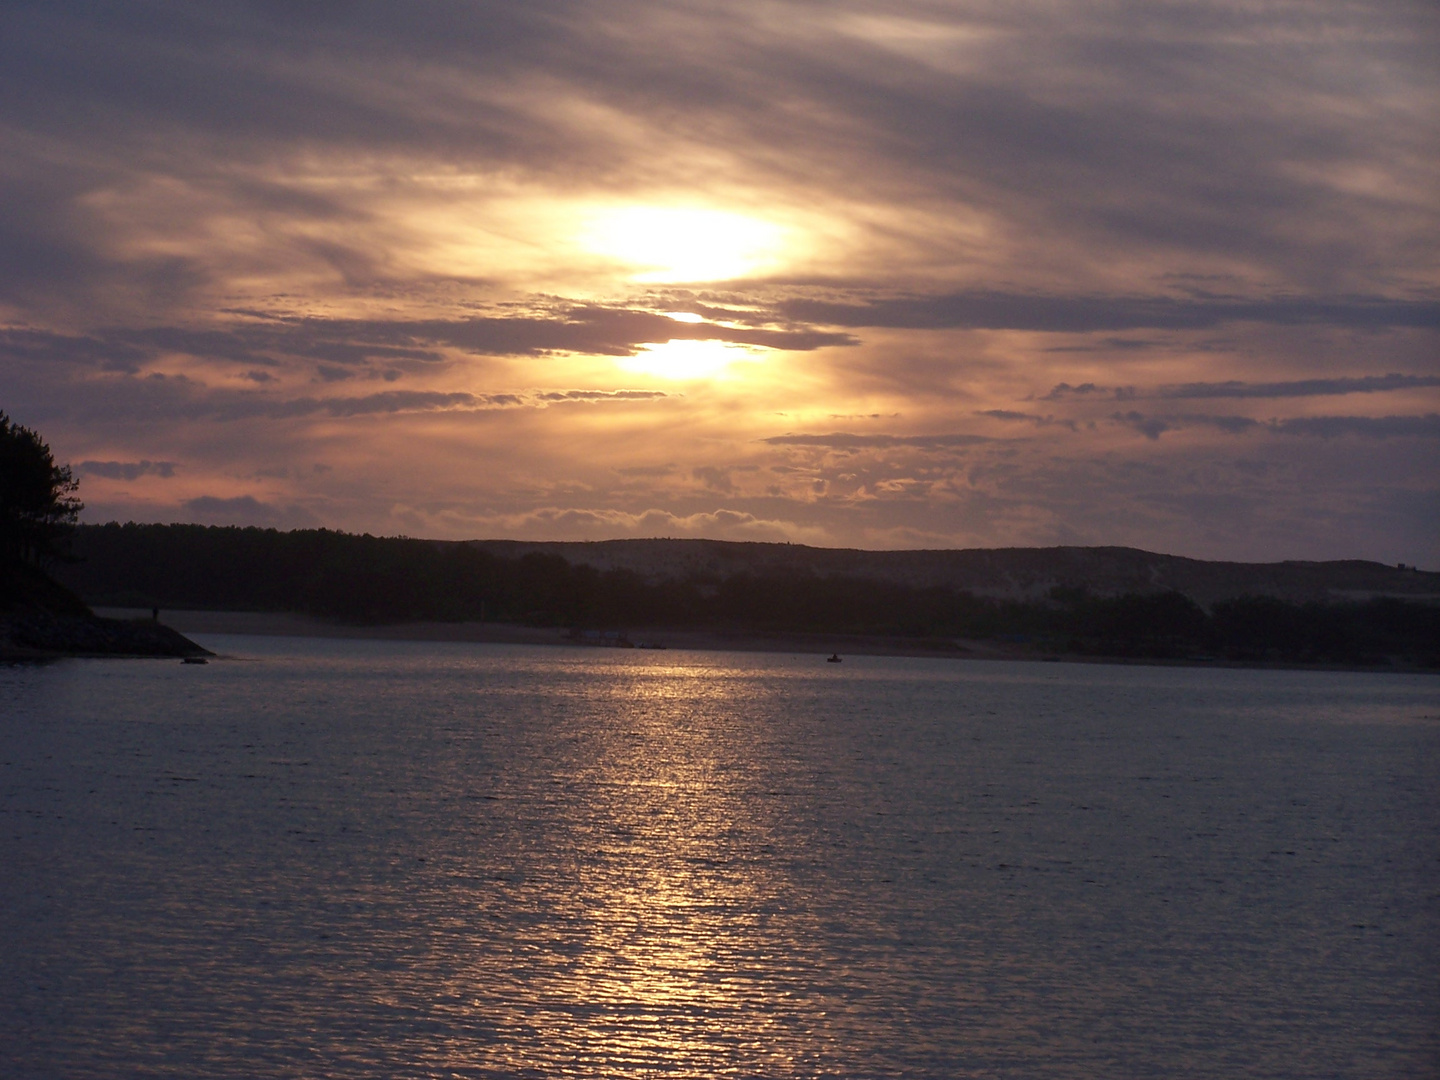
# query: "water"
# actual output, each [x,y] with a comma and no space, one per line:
[383,859]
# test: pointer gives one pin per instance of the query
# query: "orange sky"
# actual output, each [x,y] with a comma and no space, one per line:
[919,274]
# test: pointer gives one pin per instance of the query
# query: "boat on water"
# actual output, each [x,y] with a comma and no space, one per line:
[833,658]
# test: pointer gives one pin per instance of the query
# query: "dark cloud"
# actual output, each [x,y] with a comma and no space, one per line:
[390,401]
[1235,388]
[1368,384]
[339,343]
[126,470]
[159,399]
[595,330]
[246,510]
[1012,416]
[1107,345]
[840,440]
[1369,427]
[1325,427]
[1056,314]
[249,343]
[46,347]
[601,395]
[1064,390]
[714,478]
[1152,427]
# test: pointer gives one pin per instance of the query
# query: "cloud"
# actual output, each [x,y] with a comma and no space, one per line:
[1109,344]
[840,440]
[257,212]
[600,395]
[1088,314]
[1325,427]
[48,347]
[589,329]
[606,523]
[716,479]
[340,344]
[246,510]
[1367,384]
[1369,427]
[1152,427]
[126,470]
[392,401]
[1012,416]
[1235,388]
[1063,389]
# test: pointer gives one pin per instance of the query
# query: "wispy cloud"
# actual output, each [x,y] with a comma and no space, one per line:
[247,510]
[1012,416]
[587,330]
[246,240]
[126,470]
[1090,314]
[1236,388]
[1369,427]
[600,395]
[839,440]
[1325,427]
[1366,384]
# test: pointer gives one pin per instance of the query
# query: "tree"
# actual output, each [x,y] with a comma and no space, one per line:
[37,507]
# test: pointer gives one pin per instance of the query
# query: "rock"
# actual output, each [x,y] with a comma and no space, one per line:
[35,634]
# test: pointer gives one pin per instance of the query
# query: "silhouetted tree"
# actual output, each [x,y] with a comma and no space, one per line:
[37,506]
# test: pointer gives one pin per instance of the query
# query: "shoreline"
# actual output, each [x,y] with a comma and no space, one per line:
[40,636]
[283,624]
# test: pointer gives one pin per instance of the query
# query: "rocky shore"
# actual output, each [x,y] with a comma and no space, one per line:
[42,620]
[43,635]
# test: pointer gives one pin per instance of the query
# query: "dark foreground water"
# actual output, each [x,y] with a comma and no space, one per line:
[381,859]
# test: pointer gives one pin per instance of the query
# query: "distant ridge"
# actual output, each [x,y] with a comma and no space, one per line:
[1095,602]
[1000,573]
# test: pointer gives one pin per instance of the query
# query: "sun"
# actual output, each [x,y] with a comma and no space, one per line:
[681,359]
[684,244]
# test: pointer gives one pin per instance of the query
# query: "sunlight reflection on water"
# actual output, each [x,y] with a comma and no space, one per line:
[387,859]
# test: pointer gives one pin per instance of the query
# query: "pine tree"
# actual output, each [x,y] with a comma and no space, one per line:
[37,505]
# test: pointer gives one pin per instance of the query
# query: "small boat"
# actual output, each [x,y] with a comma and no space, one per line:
[833,658]
[194,660]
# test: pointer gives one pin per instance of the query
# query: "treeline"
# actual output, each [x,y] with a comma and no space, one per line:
[365,579]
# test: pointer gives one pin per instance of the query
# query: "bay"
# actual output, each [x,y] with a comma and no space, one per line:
[373,859]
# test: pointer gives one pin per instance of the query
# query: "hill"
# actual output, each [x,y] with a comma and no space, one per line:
[999,573]
[1114,602]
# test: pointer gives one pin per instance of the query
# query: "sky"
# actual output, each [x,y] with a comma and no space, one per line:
[912,274]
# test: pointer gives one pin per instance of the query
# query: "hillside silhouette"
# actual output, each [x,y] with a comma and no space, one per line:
[1079,601]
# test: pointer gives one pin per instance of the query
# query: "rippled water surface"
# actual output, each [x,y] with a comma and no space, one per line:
[381,859]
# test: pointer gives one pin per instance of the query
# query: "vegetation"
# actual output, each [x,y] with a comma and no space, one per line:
[37,504]
[40,618]
[366,579]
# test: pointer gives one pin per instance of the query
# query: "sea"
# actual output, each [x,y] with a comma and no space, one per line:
[319,858]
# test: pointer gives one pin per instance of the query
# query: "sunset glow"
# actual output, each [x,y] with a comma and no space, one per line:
[902,275]
[678,244]
[678,359]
